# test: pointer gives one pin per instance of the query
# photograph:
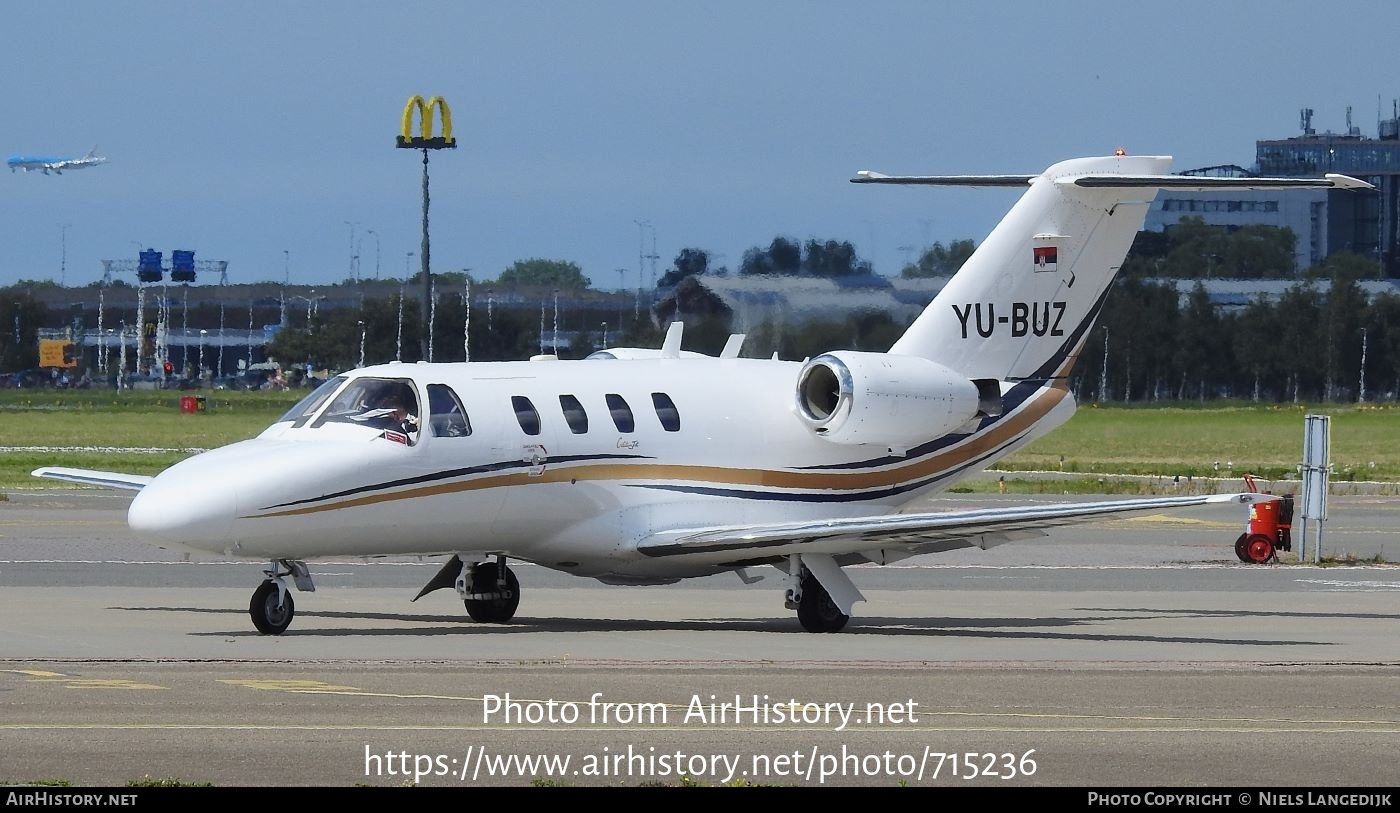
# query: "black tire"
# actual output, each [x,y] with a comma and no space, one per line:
[1242,548]
[816,611]
[492,610]
[267,616]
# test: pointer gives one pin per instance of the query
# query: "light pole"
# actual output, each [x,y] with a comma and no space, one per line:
[352,226]
[202,334]
[556,322]
[286,267]
[398,334]
[621,290]
[121,373]
[641,260]
[406,257]
[1103,372]
[467,320]
[432,315]
[63,255]
[1361,391]
[221,340]
[376,252]
[362,342]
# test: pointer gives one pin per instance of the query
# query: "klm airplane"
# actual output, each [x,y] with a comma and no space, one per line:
[49,164]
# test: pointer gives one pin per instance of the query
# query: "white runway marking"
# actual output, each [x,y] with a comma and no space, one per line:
[102,449]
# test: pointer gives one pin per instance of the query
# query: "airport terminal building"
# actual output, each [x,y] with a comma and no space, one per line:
[1326,221]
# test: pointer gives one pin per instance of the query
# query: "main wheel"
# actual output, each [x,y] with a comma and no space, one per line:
[1260,548]
[1242,548]
[269,618]
[816,611]
[492,610]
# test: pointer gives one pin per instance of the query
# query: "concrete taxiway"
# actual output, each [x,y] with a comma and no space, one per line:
[1134,651]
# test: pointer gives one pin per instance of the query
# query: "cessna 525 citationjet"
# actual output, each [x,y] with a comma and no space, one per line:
[646,466]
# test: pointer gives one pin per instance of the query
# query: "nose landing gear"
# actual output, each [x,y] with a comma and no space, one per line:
[272,608]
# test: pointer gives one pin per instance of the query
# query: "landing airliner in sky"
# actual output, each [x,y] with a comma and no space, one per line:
[48,164]
[647,466]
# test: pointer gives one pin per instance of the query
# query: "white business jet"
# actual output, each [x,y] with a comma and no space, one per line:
[646,466]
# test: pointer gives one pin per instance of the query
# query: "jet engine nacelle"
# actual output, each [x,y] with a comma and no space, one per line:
[851,397]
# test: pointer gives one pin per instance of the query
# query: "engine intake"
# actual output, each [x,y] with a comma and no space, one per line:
[851,397]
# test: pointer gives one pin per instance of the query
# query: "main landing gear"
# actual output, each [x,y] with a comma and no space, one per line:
[272,608]
[815,609]
[489,590]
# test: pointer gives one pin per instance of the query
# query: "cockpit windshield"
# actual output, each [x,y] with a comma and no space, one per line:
[387,404]
[307,406]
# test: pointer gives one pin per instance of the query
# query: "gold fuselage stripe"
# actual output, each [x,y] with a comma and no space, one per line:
[1038,407]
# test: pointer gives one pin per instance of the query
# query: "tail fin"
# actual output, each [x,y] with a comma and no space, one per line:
[1022,306]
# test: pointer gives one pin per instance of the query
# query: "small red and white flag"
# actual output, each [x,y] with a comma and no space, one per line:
[397,437]
[1045,257]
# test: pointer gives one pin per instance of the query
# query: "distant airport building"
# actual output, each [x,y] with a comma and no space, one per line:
[1326,221]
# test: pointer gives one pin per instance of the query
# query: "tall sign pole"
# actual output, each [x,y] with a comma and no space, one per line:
[425,141]
[1316,471]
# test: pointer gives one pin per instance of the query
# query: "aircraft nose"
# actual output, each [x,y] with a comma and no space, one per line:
[194,514]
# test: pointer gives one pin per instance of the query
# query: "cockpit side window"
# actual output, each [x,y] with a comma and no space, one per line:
[307,406]
[447,417]
[387,404]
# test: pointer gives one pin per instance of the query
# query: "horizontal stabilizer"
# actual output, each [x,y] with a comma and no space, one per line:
[1190,183]
[88,477]
[866,176]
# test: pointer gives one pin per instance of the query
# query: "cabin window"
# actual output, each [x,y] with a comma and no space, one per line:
[526,414]
[666,411]
[621,413]
[574,414]
[447,417]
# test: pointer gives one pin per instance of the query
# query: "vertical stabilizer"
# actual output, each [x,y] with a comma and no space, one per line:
[1021,306]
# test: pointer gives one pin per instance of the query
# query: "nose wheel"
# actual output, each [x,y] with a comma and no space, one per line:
[272,608]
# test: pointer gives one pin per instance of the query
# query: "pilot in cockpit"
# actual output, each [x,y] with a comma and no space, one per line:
[391,409]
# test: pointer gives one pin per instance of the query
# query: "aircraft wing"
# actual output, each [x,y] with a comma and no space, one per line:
[88,477]
[923,532]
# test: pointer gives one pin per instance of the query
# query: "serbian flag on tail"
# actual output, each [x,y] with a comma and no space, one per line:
[1045,257]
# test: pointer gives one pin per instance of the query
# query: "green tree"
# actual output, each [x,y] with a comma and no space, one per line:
[782,257]
[1383,347]
[1260,362]
[1343,315]
[1298,320]
[1201,350]
[690,262]
[830,258]
[561,274]
[939,260]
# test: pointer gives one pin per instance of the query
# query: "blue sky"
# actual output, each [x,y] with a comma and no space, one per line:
[243,131]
